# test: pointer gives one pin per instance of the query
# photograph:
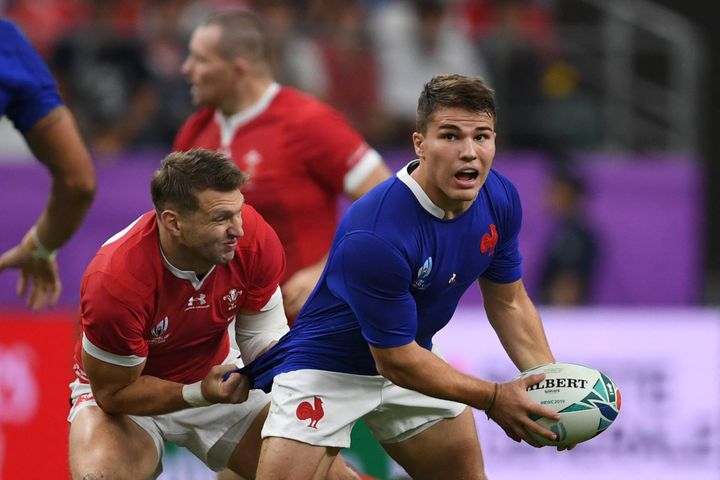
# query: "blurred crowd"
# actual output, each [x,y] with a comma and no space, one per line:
[118,63]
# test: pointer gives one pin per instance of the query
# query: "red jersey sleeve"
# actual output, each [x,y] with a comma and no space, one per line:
[332,147]
[187,137]
[111,319]
[263,257]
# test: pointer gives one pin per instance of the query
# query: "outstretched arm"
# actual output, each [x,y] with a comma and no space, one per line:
[55,141]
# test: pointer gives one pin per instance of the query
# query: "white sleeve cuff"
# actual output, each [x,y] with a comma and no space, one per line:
[364,167]
[113,358]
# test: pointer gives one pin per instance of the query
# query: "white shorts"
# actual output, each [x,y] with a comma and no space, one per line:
[320,408]
[210,433]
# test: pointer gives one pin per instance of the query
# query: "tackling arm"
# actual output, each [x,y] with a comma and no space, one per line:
[124,390]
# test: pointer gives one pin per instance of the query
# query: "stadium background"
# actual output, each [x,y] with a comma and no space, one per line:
[641,136]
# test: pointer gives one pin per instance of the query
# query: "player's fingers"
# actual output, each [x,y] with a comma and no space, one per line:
[55,292]
[241,392]
[536,428]
[34,300]
[22,284]
[534,379]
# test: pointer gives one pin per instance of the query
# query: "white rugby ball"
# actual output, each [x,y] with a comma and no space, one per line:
[586,399]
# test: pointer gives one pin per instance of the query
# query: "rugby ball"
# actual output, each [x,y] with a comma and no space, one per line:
[586,399]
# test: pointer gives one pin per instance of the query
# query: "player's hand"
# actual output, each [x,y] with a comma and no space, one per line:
[233,390]
[298,288]
[513,407]
[39,278]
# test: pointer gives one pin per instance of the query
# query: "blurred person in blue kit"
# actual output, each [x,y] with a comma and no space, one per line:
[572,247]
[30,99]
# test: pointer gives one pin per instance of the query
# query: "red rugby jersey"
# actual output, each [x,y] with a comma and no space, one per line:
[297,152]
[133,306]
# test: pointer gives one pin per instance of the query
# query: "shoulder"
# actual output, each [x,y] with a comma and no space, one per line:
[500,188]
[127,266]
[195,122]
[259,239]
[305,107]
[388,209]
[9,32]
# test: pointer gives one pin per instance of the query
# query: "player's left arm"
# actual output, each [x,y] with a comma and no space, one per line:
[517,323]
[255,332]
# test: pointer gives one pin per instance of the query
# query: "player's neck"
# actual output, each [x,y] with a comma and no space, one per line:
[247,94]
[179,257]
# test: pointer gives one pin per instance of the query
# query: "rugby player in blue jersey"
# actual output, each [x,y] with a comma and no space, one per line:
[29,98]
[401,259]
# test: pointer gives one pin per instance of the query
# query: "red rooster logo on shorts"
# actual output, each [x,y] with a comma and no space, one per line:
[306,411]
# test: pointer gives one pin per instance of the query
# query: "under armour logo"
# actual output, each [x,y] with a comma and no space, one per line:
[200,299]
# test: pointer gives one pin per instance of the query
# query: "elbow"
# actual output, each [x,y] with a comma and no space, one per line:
[390,371]
[106,402]
[84,189]
[79,192]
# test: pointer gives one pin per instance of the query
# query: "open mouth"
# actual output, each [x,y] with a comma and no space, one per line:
[467,175]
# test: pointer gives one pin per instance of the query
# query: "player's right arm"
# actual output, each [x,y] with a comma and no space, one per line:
[36,110]
[56,142]
[125,390]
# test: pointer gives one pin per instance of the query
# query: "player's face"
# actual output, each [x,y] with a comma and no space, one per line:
[210,234]
[211,76]
[456,153]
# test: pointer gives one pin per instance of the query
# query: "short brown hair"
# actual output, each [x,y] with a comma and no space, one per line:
[242,34]
[470,93]
[183,174]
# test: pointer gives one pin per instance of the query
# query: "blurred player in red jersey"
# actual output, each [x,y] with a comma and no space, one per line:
[300,154]
[155,305]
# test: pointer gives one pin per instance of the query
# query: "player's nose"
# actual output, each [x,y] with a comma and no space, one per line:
[236,225]
[467,149]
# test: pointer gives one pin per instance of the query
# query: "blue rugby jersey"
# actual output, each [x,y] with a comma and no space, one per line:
[395,273]
[27,90]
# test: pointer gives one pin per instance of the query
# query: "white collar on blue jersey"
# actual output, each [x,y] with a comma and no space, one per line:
[404,176]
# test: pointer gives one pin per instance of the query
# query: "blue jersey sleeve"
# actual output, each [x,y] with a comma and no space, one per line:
[506,266]
[373,278]
[28,91]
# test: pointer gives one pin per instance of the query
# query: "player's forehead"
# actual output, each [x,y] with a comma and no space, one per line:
[460,118]
[213,201]
[205,39]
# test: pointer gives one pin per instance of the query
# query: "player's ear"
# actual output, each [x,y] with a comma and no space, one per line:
[170,221]
[241,65]
[418,143]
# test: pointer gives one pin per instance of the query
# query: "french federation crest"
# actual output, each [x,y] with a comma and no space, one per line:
[423,272]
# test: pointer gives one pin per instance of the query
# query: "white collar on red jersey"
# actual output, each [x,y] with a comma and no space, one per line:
[229,125]
[188,275]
